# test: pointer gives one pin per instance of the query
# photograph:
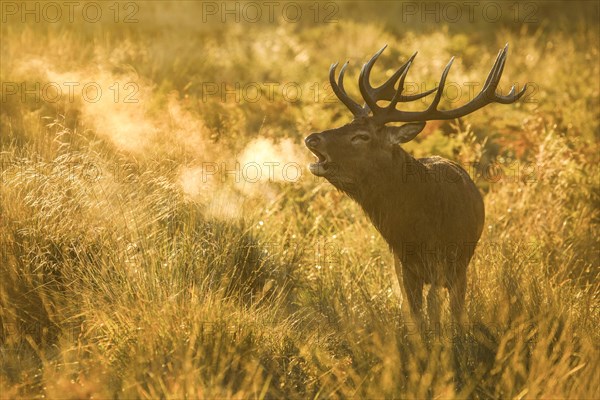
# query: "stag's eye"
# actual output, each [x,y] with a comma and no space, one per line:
[361,137]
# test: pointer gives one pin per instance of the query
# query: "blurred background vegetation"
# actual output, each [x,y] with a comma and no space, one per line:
[141,257]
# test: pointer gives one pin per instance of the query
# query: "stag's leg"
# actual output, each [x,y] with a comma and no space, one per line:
[457,293]
[433,304]
[457,290]
[414,293]
[413,290]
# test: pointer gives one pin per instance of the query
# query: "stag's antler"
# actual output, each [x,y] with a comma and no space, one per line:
[387,92]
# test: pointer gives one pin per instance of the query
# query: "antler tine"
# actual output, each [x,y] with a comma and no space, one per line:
[440,91]
[413,97]
[398,94]
[492,73]
[366,90]
[497,70]
[338,89]
[511,97]
[340,80]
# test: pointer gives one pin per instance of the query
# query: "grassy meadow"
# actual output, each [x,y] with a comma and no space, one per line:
[161,236]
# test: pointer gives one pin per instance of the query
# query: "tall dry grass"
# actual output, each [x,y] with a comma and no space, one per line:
[137,263]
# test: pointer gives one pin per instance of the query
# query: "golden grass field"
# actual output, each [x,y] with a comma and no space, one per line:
[161,236]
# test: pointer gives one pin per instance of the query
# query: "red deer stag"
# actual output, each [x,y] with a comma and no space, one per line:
[428,210]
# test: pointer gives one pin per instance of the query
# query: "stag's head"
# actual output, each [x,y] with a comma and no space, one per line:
[353,152]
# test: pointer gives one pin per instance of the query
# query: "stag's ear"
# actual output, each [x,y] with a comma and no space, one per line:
[404,133]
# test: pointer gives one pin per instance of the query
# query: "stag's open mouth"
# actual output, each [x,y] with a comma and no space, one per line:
[320,167]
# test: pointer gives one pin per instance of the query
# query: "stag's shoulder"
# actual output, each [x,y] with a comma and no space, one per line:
[437,162]
[439,165]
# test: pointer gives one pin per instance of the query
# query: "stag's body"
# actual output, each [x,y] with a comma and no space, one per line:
[428,210]
[431,214]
